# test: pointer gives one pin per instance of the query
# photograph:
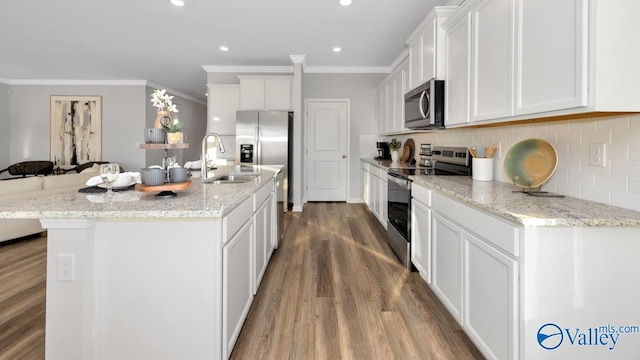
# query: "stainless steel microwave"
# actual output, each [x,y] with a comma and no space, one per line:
[424,106]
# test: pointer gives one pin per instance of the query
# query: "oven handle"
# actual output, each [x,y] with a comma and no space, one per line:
[405,184]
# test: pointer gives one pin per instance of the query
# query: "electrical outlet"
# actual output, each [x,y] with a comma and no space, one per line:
[596,155]
[66,267]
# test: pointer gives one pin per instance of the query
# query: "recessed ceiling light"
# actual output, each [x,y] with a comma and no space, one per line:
[177,2]
[224,48]
[337,49]
[345,2]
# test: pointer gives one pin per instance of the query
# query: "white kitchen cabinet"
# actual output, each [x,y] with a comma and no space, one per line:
[457,71]
[491,294]
[265,92]
[492,59]
[426,47]
[552,56]
[374,191]
[222,103]
[237,284]
[421,231]
[262,244]
[446,276]
[390,100]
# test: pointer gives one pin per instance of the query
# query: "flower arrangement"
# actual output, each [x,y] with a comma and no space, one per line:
[162,101]
[395,144]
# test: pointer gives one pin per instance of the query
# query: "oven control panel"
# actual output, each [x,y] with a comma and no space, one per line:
[451,155]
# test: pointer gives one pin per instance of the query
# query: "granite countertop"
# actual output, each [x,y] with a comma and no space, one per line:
[388,164]
[199,201]
[498,199]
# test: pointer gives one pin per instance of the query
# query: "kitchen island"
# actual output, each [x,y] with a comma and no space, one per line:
[133,276]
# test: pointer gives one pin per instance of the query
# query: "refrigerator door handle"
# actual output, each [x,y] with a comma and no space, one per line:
[258,160]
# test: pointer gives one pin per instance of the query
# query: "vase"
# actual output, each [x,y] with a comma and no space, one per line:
[394,155]
[175,138]
[162,118]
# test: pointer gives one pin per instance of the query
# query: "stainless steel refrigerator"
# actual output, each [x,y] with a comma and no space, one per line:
[265,138]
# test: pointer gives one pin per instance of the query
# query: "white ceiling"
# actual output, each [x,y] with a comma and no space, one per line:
[155,41]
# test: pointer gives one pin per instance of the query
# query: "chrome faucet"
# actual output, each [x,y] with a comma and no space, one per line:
[204,167]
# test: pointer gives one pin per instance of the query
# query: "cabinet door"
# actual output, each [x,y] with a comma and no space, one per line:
[490,315]
[237,285]
[447,264]
[428,39]
[366,188]
[375,194]
[252,94]
[398,94]
[261,248]
[457,52]
[223,102]
[492,79]
[551,70]
[415,63]
[421,239]
[272,224]
[384,196]
[277,94]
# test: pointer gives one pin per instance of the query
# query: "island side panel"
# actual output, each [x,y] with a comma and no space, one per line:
[156,289]
[583,281]
[70,330]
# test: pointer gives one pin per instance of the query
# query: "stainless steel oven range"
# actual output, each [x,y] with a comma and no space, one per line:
[452,161]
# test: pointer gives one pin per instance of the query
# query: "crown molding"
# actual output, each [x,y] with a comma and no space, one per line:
[5,81]
[403,55]
[348,69]
[299,59]
[174,93]
[75,82]
[248,69]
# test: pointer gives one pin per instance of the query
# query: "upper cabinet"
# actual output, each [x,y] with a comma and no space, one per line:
[509,60]
[425,47]
[223,101]
[390,100]
[265,92]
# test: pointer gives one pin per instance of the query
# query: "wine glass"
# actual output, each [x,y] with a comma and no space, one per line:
[109,174]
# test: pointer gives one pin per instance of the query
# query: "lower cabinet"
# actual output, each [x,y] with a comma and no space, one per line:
[263,243]
[490,288]
[237,284]
[421,239]
[374,191]
[447,264]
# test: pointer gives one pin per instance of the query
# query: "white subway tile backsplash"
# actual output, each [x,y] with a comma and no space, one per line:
[617,184]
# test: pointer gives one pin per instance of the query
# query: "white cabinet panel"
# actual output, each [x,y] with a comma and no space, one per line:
[252,94]
[237,285]
[262,243]
[421,238]
[278,94]
[492,56]
[428,50]
[446,273]
[415,63]
[552,56]
[223,102]
[490,287]
[457,52]
[265,92]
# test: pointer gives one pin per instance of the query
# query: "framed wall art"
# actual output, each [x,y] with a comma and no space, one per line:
[76,129]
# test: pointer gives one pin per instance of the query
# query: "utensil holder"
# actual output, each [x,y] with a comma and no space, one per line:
[482,169]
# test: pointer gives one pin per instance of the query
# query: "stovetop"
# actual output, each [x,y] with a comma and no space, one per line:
[447,160]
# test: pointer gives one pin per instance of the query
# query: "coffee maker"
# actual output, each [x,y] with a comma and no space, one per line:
[384,153]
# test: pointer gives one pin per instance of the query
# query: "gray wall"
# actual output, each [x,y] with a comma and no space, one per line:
[126,112]
[360,89]
[5,128]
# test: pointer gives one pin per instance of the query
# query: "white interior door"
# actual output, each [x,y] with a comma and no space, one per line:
[327,149]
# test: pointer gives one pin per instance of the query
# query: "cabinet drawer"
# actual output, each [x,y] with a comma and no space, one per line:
[236,218]
[421,194]
[262,194]
[499,233]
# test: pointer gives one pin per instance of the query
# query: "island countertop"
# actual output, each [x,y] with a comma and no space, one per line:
[198,201]
[499,199]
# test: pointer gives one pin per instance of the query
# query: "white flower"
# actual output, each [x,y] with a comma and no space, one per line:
[162,101]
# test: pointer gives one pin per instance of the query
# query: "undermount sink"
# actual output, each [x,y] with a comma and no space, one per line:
[230,179]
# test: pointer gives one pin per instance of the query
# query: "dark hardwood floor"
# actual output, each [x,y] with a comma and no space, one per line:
[333,290]
[23,267]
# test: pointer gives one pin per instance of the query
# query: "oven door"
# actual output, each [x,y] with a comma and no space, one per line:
[399,204]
